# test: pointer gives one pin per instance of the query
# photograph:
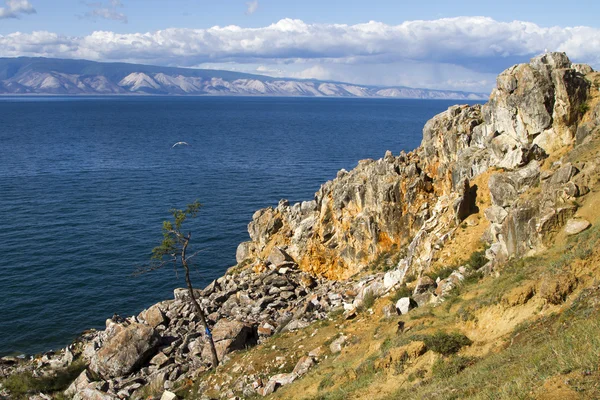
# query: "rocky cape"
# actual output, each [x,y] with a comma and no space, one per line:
[364,233]
[49,76]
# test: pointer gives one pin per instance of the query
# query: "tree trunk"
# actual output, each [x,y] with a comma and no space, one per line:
[207,334]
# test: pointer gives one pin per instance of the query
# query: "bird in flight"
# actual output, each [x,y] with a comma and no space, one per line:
[180,144]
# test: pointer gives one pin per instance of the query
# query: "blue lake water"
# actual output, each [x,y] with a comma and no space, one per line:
[86,182]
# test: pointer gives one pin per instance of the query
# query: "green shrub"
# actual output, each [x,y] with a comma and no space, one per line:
[473,278]
[446,343]
[410,277]
[583,108]
[20,385]
[477,259]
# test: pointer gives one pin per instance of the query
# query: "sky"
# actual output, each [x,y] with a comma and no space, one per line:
[456,45]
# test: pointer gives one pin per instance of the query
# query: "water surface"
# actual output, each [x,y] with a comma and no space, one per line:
[86,182]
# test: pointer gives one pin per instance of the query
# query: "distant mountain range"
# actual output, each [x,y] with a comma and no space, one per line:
[26,75]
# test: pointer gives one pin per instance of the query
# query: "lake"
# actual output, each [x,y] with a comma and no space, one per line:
[86,182]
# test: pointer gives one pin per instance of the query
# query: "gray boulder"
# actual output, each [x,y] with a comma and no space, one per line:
[228,336]
[405,304]
[278,257]
[125,351]
[575,226]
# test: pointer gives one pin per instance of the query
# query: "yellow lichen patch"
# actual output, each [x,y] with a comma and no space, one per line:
[384,242]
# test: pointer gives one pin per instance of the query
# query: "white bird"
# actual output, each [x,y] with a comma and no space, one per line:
[180,144]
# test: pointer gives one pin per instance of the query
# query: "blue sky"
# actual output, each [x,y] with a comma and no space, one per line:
[437,44]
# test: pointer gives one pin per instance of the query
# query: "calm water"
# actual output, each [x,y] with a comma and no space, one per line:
[86,182]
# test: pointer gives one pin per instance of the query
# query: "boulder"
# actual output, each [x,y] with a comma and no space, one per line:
[392,278]
[389,311]
[126,351]
[495,214]
[502,190]
[425,284]
[80,383]
[337,344]
[405,304]
[183,294]
[244,251]
[303,365]
[278,257]
[153,316]
[160,360]
[277,381]
[575,226]
[168,396]
[564,174]
[317,352]
[228,336]
[423,299]
[582,69]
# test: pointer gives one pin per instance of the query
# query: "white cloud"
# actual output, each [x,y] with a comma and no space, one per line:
[452,52]
[16,7]
[105,11]
[252,7]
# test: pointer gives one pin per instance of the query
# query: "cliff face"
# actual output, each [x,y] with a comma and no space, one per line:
[419,198]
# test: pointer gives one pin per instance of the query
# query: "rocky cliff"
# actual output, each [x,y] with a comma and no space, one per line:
[410,204]
[511,174]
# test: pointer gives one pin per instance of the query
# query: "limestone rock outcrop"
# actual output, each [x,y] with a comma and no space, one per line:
[414,201]
[126,348]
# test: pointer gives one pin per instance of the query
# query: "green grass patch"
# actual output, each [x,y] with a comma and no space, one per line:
[386,260]
[583,108]
[353,380]
[24,384]
[367,302]
[402,291]
[477,259]
[555,344]
[441,273]
[448,367]
[326,382]
[445,343]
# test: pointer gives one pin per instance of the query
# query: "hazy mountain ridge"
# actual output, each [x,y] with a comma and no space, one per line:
[79,77]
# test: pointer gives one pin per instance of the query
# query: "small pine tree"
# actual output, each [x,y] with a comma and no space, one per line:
[174,250]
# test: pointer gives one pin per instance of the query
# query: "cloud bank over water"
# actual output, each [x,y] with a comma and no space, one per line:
[450,53]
